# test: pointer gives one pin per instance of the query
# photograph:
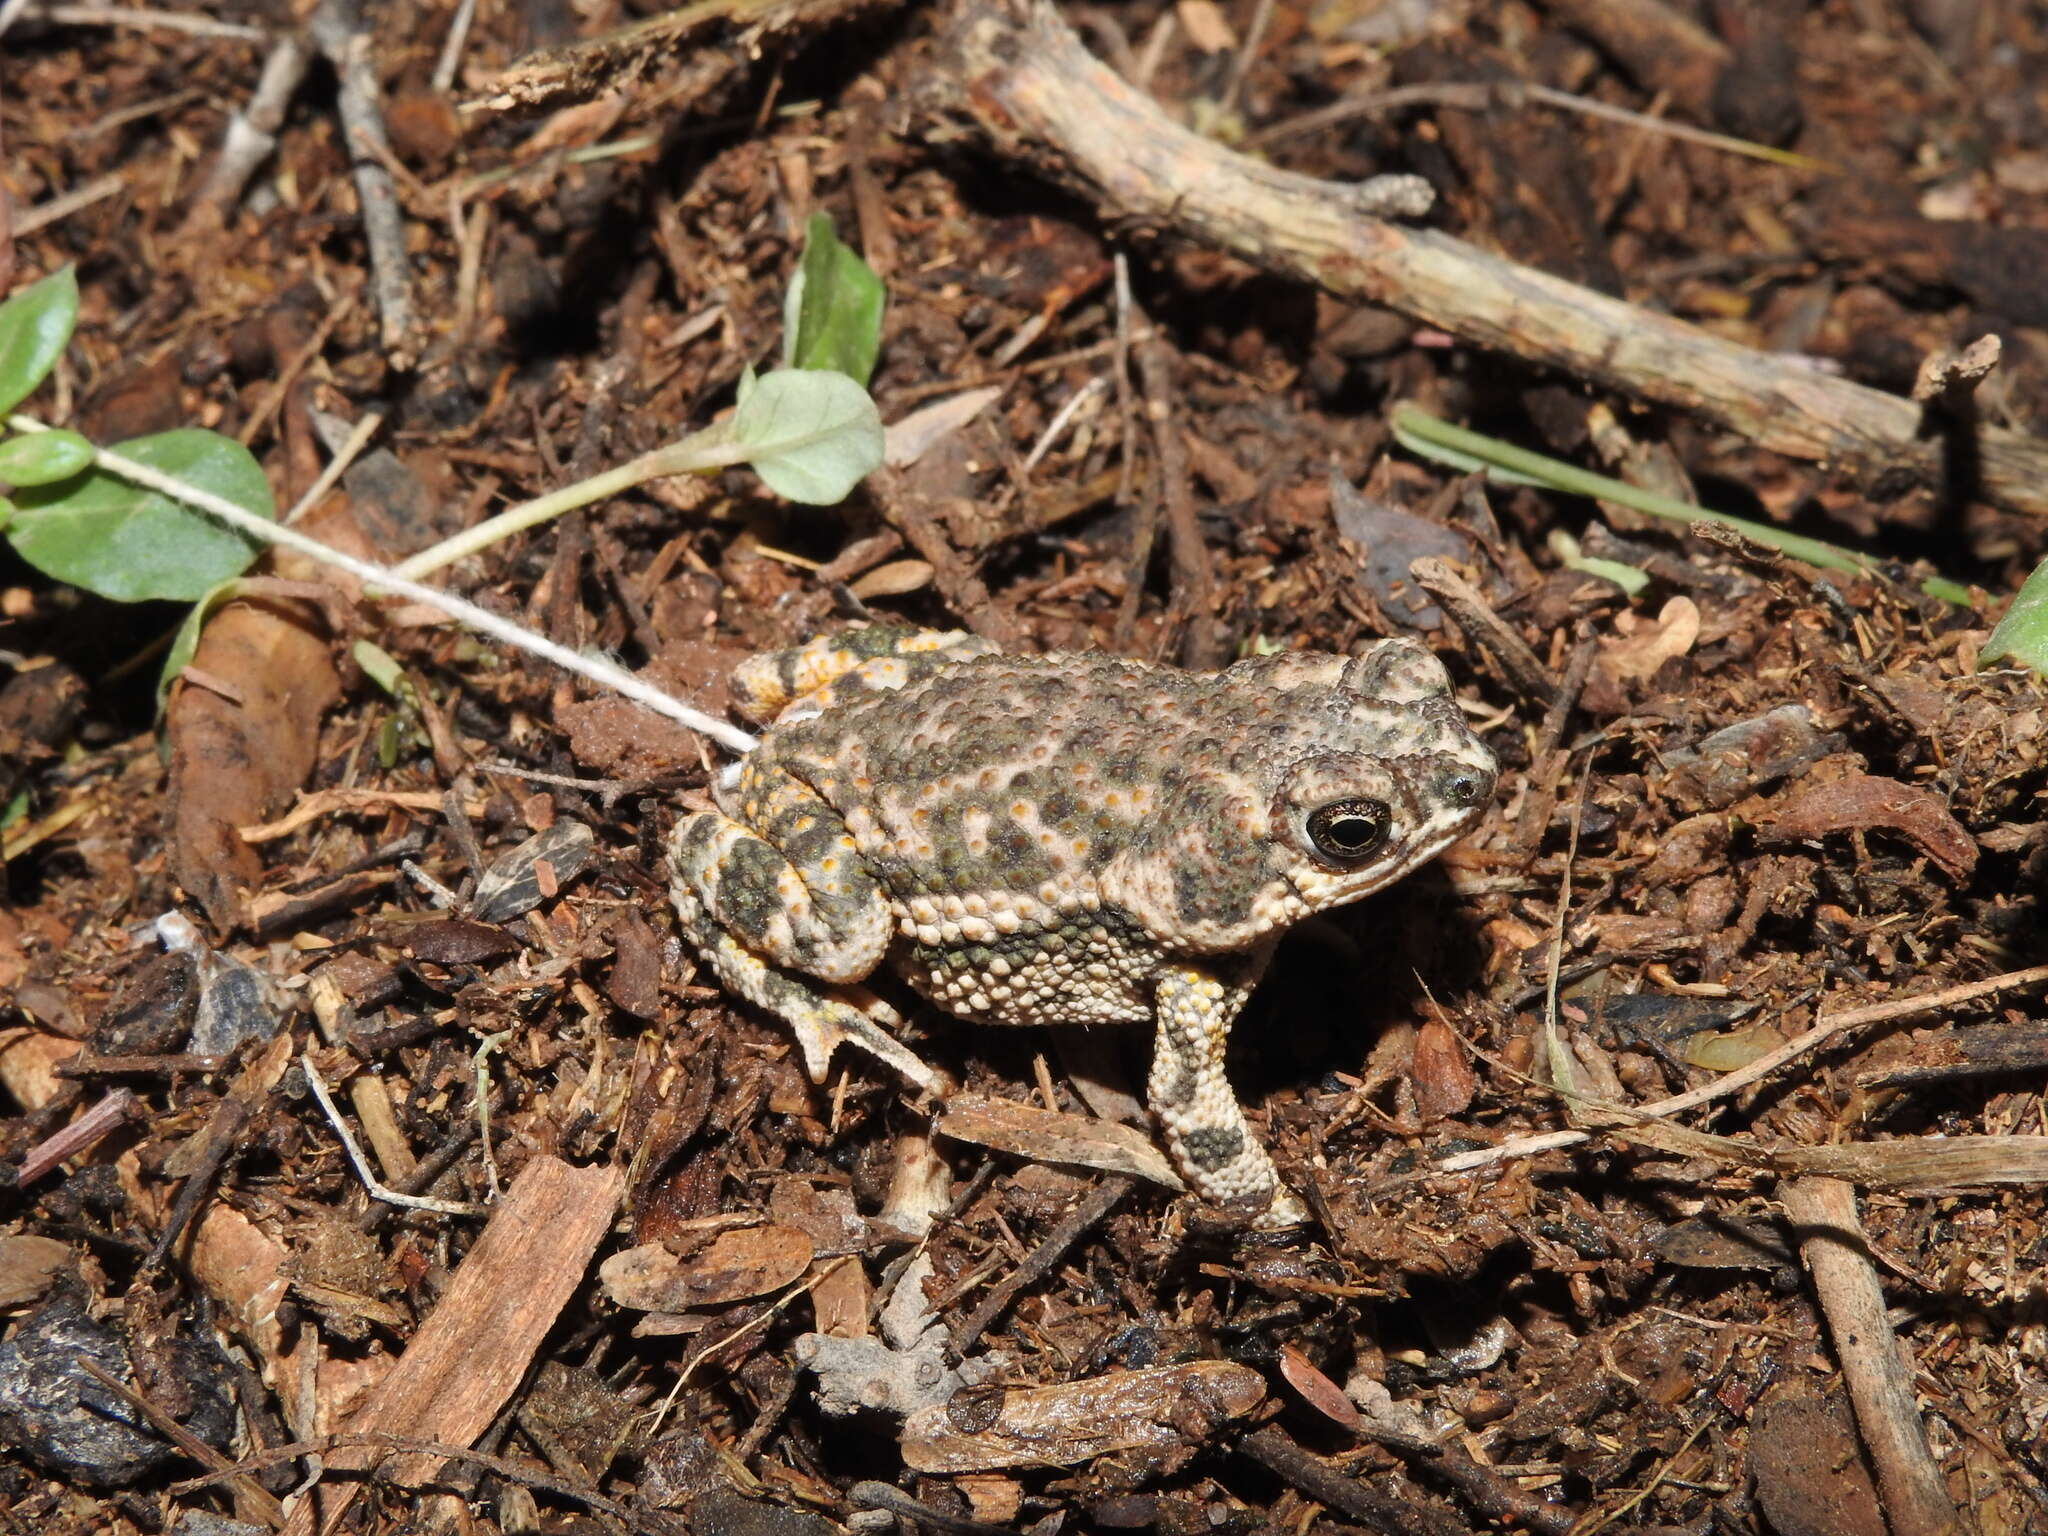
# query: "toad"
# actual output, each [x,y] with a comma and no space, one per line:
[1065,839]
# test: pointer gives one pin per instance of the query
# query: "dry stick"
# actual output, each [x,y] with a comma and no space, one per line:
[259,1499]
[875,1495]
[1194,583]
[1511,94]
[1762,1067]
[288,375]
[1272,1448]
[133,16]
[74,1138]
[451,50]
[65,204]
[337,28]
[1077,1223]
[1837,1254]
[252,132]
[522,1472]
[1469,609]
[1482,1487]
[1019,75]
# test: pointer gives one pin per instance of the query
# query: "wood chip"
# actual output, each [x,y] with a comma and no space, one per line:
[462,1365]
[1864,801]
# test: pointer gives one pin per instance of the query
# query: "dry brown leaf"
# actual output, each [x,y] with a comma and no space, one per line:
[1208,29]
[1863,801]
[1440,1074]
[1049,1137]
[27,1266]
[1644,647]
[731,1267]
[1317,1390]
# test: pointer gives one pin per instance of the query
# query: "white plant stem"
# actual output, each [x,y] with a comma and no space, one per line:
[384,579]
[696,454]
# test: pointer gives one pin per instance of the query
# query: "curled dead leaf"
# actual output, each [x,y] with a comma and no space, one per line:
[1861,802]
[1156,1408]
[731,1267]
[1644,647]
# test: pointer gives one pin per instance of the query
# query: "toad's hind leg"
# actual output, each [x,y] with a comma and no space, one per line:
[1206,1132]
[820,1015]
[807,679]
[796,892]
[759,919]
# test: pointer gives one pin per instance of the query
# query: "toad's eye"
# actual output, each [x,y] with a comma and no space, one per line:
[1467,786]
[1349,829]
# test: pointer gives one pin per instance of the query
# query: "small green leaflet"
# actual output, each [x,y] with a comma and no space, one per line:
[34,326]
[810,434]
[832,317]
[99,532]
[44,458]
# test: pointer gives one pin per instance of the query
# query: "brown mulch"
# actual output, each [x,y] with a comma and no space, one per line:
[1750,798]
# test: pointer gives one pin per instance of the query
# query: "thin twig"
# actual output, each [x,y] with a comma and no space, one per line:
[603,673]
[1477,97]
[1762,1067]
[511,1469]
[1837,1254]
[134,16]
[252,132]
[338,29]
[246,1487]
[1077,1223]
[1194,582]
[451,50]
[359,435]
[375,1187]
[66,204]
[1064,415]
[74,1138]
[1273,1449]
[288,375]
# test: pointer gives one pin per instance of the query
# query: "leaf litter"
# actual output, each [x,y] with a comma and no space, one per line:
[1772,795]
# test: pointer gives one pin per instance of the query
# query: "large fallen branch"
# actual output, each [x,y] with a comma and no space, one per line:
[1015,73]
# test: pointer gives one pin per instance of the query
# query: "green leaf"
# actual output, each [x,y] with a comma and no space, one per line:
[34,326]
[43,458]
[833,315]
[382,668]
[2022,635]
[99,532]
[1631,579]
[810,434]
[186,641]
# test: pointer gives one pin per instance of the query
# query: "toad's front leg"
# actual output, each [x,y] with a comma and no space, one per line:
[1205,1128]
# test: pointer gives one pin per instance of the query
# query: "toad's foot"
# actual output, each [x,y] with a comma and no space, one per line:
[1206,1133]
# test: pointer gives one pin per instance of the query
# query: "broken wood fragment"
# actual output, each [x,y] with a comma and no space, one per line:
[461,1366]
[1014,72]
[1837,1254]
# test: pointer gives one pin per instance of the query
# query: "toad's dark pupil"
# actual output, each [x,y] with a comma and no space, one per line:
[1349,829]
